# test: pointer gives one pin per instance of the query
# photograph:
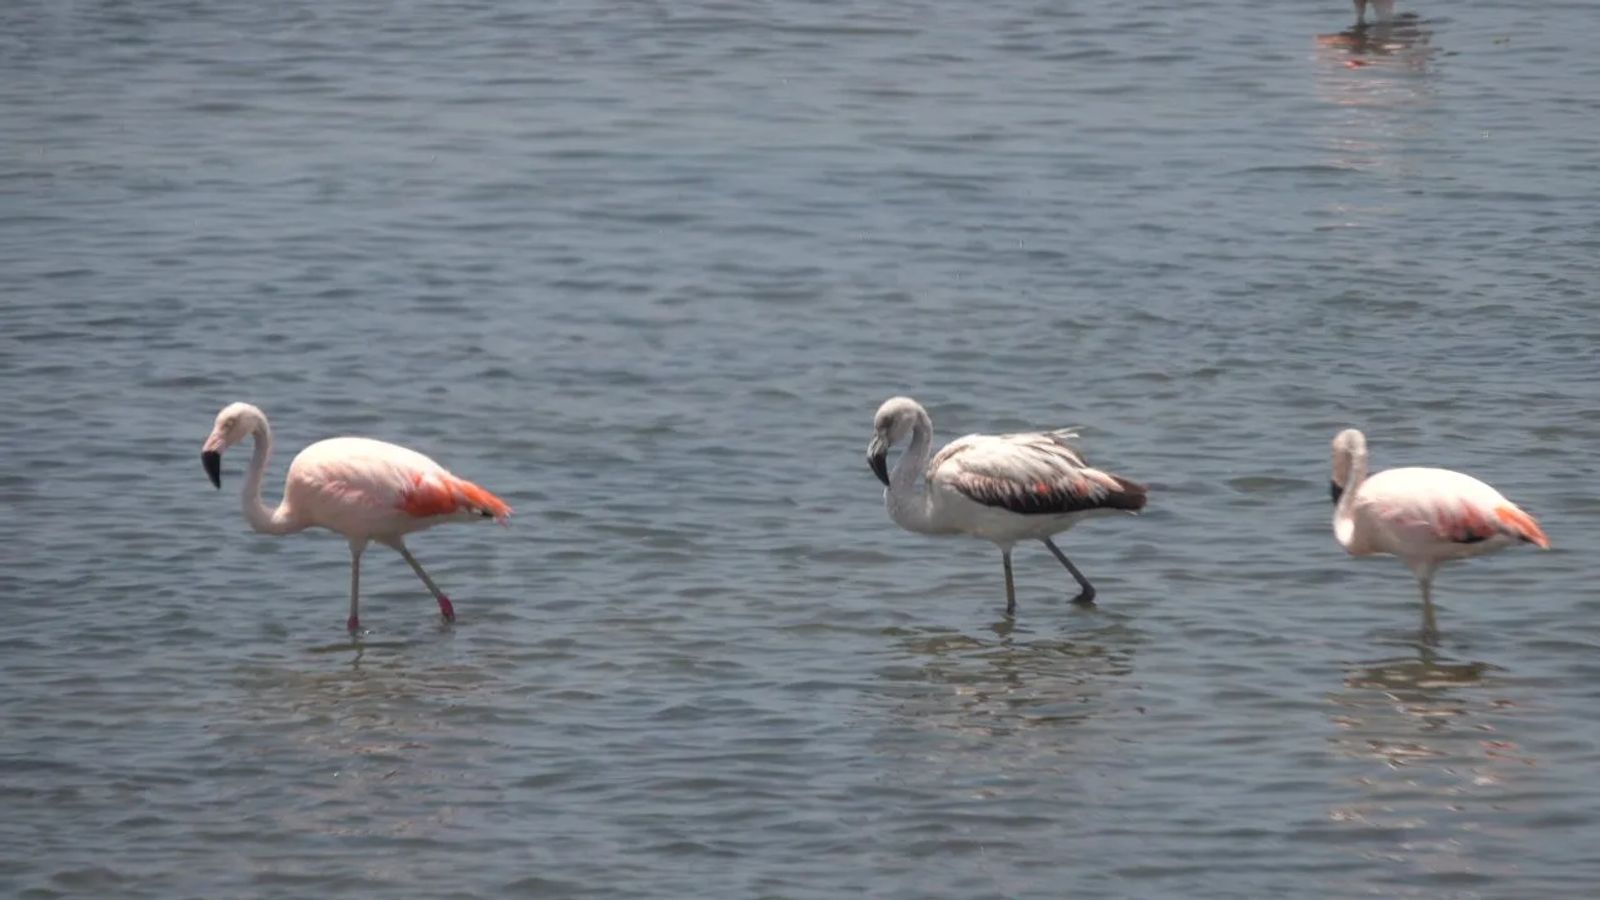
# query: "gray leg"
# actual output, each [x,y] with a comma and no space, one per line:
[1361,12]
[1087,596]
[354,622]
[1430,627]
[1011,589]
[445,609]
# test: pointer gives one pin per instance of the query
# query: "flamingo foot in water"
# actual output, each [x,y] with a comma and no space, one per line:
[446,610]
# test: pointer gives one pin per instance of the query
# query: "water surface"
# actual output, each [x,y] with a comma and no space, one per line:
[646,270]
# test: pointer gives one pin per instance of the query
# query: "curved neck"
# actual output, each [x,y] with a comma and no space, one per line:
[258,514]
[908,503]
[1344,525]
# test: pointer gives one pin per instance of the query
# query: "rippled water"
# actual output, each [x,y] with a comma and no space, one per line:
[646,269]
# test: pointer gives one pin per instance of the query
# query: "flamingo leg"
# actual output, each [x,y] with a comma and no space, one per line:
[354,622]
[1430,627]
[1087,596]
[1011,588]
[445,609]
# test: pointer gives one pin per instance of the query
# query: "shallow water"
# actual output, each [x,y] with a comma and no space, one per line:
[646,270]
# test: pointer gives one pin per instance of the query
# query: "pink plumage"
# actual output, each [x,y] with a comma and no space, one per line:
[1424,516]
[364,489]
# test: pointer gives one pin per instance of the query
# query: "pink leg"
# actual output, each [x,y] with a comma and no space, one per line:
[445,609]
[353,624]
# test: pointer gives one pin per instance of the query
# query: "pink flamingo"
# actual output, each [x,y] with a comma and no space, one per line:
[364,489]
[1424,516]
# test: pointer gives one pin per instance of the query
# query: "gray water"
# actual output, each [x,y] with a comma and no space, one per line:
[646,270]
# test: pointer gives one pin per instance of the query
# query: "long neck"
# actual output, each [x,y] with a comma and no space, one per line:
[261,517]
[908,503]
[1344,524]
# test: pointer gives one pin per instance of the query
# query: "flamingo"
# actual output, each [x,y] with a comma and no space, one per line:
[364,489]
[1002,488]
[1424,516]
[1383,10]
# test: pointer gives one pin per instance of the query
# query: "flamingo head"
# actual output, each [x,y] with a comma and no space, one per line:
[896,419]
[234,422]
[1348,446]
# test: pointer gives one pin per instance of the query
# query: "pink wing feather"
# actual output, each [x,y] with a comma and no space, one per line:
[442,494]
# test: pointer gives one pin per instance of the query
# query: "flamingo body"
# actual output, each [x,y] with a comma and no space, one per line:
[1006,488]
[368,489]
[363,489]
[1429,516]
[1424,516]
[1002,488]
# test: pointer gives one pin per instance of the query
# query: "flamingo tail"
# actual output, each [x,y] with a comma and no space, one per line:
[449,495]
[1522,525]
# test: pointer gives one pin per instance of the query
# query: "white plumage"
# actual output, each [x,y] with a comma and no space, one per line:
[1003,488]
[1424,516]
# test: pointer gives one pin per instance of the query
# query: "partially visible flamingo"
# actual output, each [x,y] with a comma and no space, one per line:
[1383,10]
[364,489]
[1424,516]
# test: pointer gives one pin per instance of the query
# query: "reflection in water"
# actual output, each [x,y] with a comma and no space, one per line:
[1435,726]
[1010,685]
[1402,44]
[1406,709]
[356,709]
[1380,78]
[371,739]
[986,732]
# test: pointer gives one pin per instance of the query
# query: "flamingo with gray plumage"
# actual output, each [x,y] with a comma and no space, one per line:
[1002,488]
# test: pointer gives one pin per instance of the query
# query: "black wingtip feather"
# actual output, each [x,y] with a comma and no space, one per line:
[1131,497]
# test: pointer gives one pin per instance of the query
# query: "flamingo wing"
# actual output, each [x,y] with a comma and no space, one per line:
[363,474]
[1462,521]
[1037,473]
[1521,525]
[1450,507]
[440,493]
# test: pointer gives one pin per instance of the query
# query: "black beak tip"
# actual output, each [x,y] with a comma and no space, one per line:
[880,466]
[211,461]
[1335,491]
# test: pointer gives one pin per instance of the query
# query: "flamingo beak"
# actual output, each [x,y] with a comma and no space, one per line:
[1336,490]
[211,461]
[878,459]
